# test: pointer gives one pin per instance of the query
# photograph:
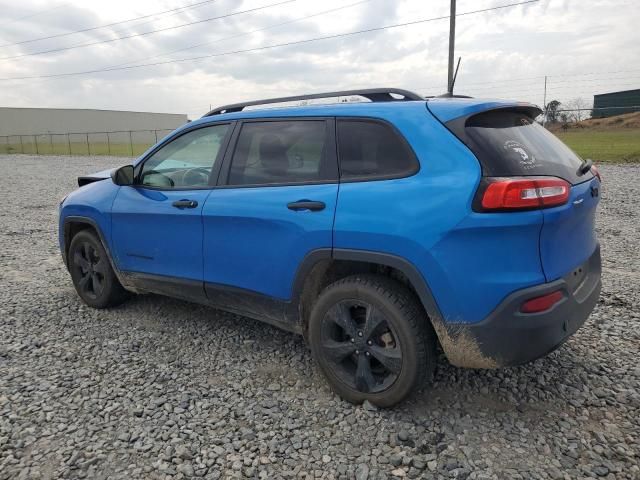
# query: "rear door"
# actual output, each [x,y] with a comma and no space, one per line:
[274,205]
[509,143]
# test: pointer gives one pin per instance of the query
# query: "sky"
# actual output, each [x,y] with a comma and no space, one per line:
[583,47]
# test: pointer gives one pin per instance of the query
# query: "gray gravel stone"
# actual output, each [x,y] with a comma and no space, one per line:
[362,472]
[162,389]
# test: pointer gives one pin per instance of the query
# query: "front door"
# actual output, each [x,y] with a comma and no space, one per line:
[275,204]
[157,223]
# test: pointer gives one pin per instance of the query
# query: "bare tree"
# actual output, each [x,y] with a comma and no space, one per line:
[579,109]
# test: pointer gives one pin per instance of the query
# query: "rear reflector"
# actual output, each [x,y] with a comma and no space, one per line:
[543,303]
[524,193]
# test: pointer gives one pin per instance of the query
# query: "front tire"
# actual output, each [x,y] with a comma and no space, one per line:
[372,340]
[91,272]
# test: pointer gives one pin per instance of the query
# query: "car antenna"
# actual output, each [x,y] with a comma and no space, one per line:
[453,81]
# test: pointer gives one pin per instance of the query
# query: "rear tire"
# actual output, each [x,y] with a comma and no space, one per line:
[91,272]
[372,340]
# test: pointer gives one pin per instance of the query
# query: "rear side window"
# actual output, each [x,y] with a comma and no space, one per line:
[370,149]
[282,152]
[511,143]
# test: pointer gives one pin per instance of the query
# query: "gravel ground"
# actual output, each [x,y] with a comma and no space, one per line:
[159,388]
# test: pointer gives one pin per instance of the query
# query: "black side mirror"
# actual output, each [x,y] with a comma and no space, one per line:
[123,176]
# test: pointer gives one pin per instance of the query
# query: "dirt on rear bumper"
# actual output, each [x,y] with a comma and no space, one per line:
[508,337]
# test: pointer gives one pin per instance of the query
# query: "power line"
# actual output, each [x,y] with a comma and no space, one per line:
[597,73]
[530,89]
[551,77]
[53,50]
[551,86]
[125,28]
[42,12]
[219,40]
[598,108]
[89,29]
[510,80]
[268,47]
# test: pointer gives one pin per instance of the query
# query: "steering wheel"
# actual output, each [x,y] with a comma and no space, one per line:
[162,180]
[195,176]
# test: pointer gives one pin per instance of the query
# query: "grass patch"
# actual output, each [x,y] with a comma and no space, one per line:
[613,146]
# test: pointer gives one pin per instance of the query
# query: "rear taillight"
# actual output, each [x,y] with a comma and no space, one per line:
[542,303]
[522,193]
[596,173]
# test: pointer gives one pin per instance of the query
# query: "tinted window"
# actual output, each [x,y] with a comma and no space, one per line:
[281,152]
[510,143]
[372,149]
[186,161]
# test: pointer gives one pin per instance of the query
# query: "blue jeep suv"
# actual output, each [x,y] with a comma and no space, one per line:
[380,230]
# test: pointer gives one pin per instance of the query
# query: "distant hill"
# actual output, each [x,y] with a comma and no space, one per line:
[626,120]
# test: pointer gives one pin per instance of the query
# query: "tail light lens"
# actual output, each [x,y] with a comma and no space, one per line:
[543,303]
[506,194]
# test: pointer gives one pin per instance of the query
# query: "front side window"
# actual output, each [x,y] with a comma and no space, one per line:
[186,161]
[281,152]
[370,149]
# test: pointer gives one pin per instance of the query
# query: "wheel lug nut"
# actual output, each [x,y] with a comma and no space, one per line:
[359,334]
[353,340]
[367,353]
[369,342]
[357,352]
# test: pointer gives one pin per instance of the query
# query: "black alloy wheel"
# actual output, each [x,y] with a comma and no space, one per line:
[91,269]
[361,346]
[91,272]
[372,339]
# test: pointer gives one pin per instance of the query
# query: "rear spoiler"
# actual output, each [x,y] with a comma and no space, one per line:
[454,117]
[448,109]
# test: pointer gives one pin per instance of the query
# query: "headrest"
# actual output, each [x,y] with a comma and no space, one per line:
[273,154]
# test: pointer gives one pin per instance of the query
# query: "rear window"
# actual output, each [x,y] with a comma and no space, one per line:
[371,150]
[511,143]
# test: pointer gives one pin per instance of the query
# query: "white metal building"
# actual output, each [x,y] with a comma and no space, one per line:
[37,121]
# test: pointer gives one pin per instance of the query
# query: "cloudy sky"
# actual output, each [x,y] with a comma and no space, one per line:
[583,46]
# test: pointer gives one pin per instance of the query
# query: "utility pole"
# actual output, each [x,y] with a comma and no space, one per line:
[452,41]
[544,102]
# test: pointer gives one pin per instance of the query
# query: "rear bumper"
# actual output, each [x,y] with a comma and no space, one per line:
[508,337]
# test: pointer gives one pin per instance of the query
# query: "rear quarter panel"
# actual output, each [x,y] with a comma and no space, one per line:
[470,261]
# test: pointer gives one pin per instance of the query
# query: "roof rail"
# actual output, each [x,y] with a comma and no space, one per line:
[451,95]
[373,94]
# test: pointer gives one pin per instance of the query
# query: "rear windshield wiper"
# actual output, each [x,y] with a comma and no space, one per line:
[585,167]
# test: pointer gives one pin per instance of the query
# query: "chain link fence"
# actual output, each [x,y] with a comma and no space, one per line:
[125,143]
[602,139]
